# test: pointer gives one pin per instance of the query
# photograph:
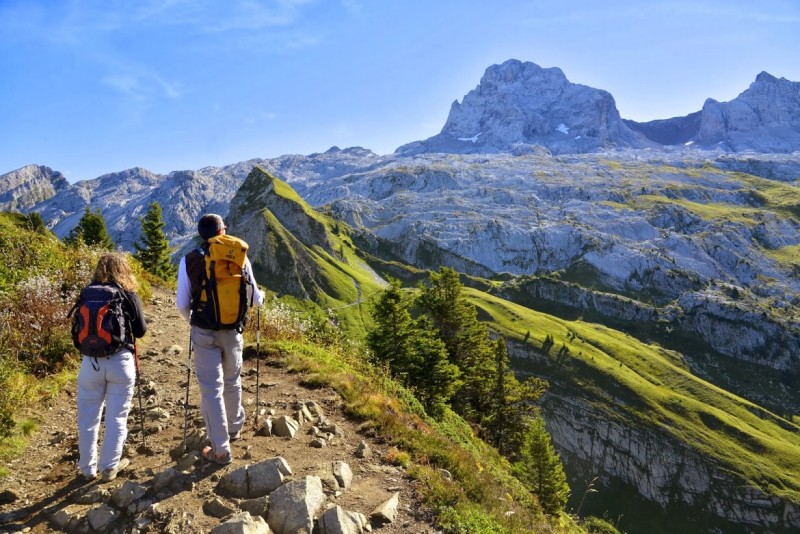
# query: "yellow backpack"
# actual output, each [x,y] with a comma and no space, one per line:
[223,291]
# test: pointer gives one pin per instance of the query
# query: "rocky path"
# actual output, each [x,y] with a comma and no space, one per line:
[327,467]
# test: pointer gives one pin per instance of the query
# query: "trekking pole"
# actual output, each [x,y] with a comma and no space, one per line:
[186,402]
[258,358]
[139,387]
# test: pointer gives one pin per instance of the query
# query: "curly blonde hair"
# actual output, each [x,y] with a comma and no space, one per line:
[113,267]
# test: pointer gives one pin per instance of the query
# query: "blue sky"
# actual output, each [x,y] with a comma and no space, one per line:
[92,87]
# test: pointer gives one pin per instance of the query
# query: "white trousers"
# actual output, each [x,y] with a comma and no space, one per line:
[109,382]
[218,366]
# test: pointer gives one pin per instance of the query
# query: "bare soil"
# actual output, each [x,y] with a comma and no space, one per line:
[44,480]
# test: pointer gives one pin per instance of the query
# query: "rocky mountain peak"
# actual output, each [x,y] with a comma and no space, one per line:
[764,118]
[765,76]
[520,103]
[25,187]
[264,192]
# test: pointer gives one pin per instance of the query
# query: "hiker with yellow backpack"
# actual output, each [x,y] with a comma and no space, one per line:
[215,287]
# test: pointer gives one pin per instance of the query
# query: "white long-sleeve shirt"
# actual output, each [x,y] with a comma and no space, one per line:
[183,298]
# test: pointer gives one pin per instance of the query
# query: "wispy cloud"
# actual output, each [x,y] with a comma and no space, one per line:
[140,84]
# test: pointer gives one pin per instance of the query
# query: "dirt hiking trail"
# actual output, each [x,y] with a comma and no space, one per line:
[43,494]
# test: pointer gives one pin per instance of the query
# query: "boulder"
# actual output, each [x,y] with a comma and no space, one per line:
[126,494]
[293,506]
[285,427]
[253,481]
[102,517]
[337,520]
[242,523]
[386,512]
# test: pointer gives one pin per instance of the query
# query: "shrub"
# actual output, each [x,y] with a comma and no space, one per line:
[36,324]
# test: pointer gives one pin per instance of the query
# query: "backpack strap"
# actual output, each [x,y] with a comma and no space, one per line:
[196,271]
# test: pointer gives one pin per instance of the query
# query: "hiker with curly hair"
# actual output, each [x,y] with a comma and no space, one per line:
[214,299]
[108,320]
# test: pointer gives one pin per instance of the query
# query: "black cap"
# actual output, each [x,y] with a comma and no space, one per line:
[209,225]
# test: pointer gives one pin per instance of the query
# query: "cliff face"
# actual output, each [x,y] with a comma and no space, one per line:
[661,469]
[599,434]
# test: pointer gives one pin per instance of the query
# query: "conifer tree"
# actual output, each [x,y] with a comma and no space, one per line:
[512,407]
[430,372]
[91,230]
[539,467]
[388,339]
[154,253]
[414,353]
[466,339]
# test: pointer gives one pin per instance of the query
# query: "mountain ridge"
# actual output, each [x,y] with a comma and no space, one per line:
[520,104]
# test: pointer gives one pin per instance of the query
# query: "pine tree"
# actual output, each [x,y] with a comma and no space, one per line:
[412,350]
[512,407]
[466,339]
[430,372]
[388,339]
[155,252]
[540,469]
[91,230]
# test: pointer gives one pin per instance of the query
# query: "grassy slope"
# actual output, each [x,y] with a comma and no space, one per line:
[482,490]
[343,282]
[760,447]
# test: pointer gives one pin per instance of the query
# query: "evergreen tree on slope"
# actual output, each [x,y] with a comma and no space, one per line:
[411,350]
[539,467]
[467,342]
[513,407]
[91,230]
[154,254]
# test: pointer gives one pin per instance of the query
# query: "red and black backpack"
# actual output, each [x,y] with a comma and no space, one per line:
[100,326]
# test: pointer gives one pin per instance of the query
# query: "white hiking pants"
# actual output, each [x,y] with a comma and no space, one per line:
[102,381]
[218,366]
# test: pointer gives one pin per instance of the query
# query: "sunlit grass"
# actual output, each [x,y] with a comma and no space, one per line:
[788,256]
[761,448]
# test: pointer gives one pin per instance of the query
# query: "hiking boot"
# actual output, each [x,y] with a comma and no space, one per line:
[111,473]
[85,478]
[219,459]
